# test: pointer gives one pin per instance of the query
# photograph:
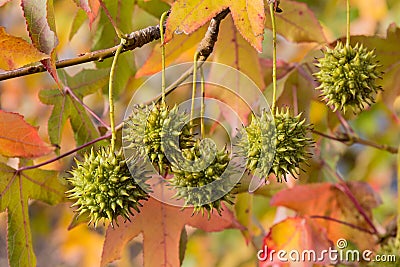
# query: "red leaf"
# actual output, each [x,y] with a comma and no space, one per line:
[19,139]
[39,16]
[91,7]
[326,200]
[161,226]
[249,17]
[294,235]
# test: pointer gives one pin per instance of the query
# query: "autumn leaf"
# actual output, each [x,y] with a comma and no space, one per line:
[248,16]
[174,50]
[16,52]
[39,17]
[20,139]
[297,23]
[91,7]
[326,200]
[161,226]
[244,59]
[295,234]
[16,189]
[67,107]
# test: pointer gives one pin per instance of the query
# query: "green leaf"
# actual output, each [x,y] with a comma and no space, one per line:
[77,23]
[297,23]
[91,7]
[244,213]
[39,16]
[155,7]
[16,188]
[66,107]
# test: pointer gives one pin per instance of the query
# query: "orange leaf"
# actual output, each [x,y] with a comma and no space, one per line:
[19,139]
[295,235]
[161,226]
[326,200]
[16,52]
[248,15]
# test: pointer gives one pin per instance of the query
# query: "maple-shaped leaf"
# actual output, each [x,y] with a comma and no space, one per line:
[67,107]
[176,49]
[20,139]
[16,52]
[295,234]
[91,7]
[248,15]
[328,200]
[297,23]
[16,189]
[161,225]
[39,17]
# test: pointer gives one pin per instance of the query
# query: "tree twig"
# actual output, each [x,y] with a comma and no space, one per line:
[204,50]
[353,139]
[133,40]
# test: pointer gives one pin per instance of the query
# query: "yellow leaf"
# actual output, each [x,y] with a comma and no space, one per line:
[16,52]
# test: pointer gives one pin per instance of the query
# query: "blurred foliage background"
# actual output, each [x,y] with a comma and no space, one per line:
[55,245]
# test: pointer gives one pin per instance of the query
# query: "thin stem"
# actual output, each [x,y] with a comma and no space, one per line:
[351,139]
[77,99]
[342,222]
[202,108]
[345,124]
[110,18]
[163,16]
[348,23]
[194,84]
[133,40]
[106,136]
[343,187]
[111,96]
[346,190]
[272,12]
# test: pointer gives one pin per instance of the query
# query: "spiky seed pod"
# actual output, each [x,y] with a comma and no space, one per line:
[191,183]
[259,146]
[348,77]
[155,131]
[289,135]
[291,144]
[104,188]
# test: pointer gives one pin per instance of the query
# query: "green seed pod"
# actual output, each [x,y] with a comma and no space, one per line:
[348,77]
[290,143]
[154,132]
[104,188]
[193,185]
[259,146]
